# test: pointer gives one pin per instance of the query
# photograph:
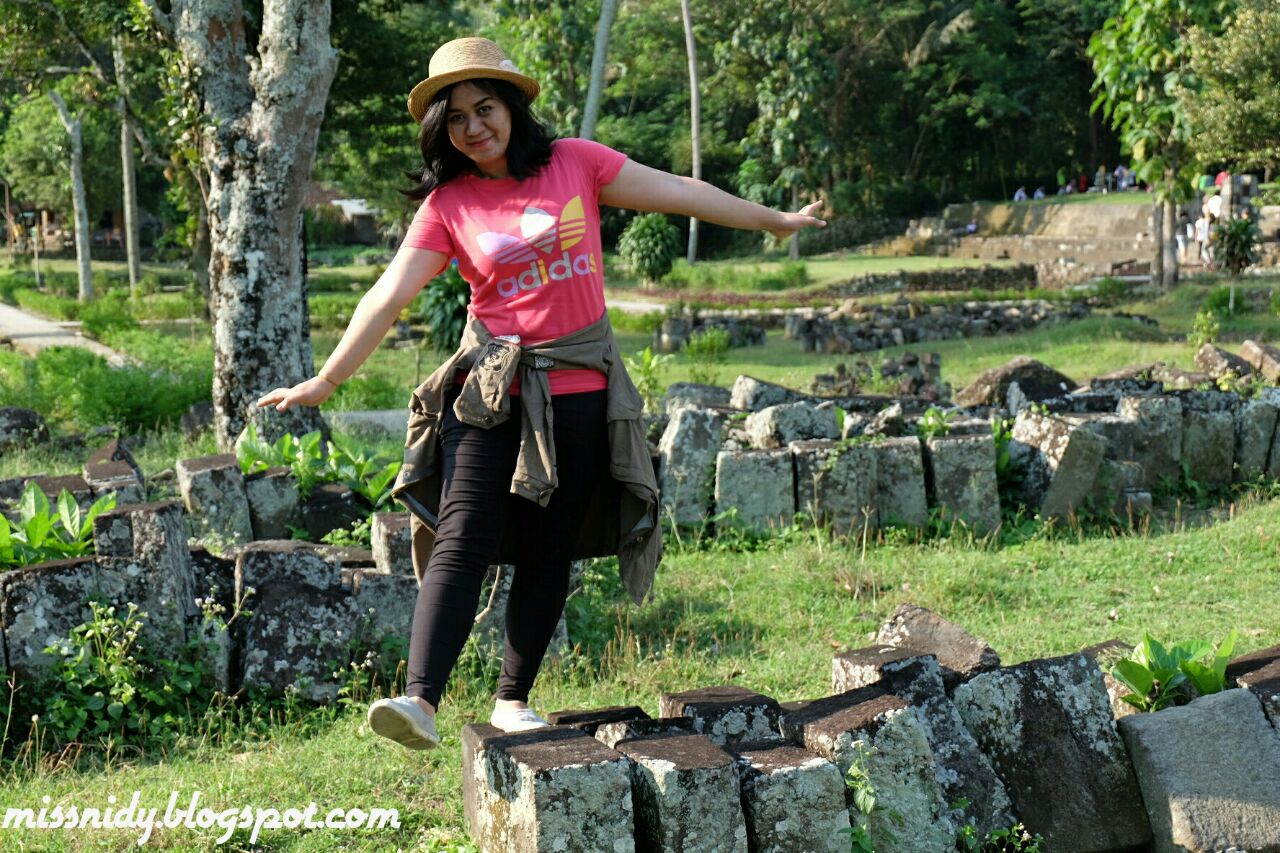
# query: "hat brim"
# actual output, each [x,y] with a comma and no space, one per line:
[422,94]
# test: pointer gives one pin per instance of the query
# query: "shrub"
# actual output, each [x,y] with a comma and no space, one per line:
[40,534]
[49,304]
[1154,674]
[443,308]
[1235,244]
[1218,302]
[368,392]
[1204,329]
[1110,290]
[108,313]
[705,350]
[649,245]
[646,369]
[629,321]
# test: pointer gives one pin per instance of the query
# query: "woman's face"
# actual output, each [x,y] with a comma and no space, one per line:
[479,127]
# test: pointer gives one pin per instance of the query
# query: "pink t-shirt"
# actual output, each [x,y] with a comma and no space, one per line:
[529,249]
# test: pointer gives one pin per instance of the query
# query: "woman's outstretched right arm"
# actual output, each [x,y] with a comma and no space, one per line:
[378,309]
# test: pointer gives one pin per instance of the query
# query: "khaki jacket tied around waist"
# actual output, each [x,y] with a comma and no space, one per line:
[622,518]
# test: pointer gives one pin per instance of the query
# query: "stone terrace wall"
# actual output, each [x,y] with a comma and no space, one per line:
[932,720]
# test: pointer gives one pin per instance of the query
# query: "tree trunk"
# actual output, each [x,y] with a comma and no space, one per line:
[266,114]
[695,118]
[78,198]
[128,177]
[1169,246]
[608,9]
[1157,231]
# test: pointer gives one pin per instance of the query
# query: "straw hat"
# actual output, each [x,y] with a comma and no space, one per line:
[466,59]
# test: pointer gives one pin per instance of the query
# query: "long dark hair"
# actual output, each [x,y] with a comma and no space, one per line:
[528,150]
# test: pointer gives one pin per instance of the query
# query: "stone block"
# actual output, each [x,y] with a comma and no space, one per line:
[392,541]
[686,794]
[115,451]
[1221,794]
[553,789]
[1255,433]
[214,577]
[1157,437]
[612,734]
[1060,462]
[329,507]
[1262,357]
[751,395]
[1036,381]
[962,770]
[960,655]
[962,478]
[1208,446]
[588,720]
[900,485]
[213,492]
[1264,683]
[778,426]
[273,503]
[113,533]
[836,484]
[728,715]
[687,395]
[20,427]
[1116,430]
[686,473]
[759,484]
[73,483]
[385,605]
[216,654]
[1251,661]
[1217,362]
[887,738]
[1105,655]
[792,800]
[1055,714]
[115,478]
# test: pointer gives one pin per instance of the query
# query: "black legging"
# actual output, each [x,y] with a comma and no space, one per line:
[476,504]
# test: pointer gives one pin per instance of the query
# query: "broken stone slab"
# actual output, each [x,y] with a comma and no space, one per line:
[778,426]
[1221,794]
[329,507]
[392,539]
[114,478]
[900,485]
[836,484]
[685,395]
[613,733]
[792,800]
[590,719]
[273,503]
[1262,357]
[726,714]
[686,794]
[553,789]
[1117,431]
[1060,462]
[53,487]
[751,395]
[1054,713]
[960,654]
[1157,435]
[115,451]
[1134,381]
[1209,436]
[1036,381]
[1255,433]
[1217,362]
[687,467]
[213,492]
[759,485]
[890,422]
[963,771]
[887,739]
[384,604]
[962,479]
[1264,683]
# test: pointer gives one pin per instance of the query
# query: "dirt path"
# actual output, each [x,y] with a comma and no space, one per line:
[29,334]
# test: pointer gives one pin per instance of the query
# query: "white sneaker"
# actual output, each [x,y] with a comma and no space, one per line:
[516,720]
[402,720]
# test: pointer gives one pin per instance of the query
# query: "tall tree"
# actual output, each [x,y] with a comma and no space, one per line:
[79,199]
[695,117]
[1143,60]
[599,55]
[263,91]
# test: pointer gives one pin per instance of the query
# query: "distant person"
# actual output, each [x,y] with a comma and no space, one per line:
[1202,239]
[1082,183]
[1020,194]
[1069,188]
[1100,179]
[1038,194]
[1221,178]
[1184,233]
[972,227]
[1214,206]
[1121,176]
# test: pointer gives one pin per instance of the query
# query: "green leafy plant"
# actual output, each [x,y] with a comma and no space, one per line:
[311,460]
[108,313]
[646,369]
[706,349]
[1204,329]
[1235,245]
[1154,674]
[41,534]
[857,779]
[1110,290]
[358,535]
[934,423]
[649,246]
[444,309]
[107,684]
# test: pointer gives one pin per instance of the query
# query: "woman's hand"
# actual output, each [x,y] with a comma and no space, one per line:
[790,223]
[313,392]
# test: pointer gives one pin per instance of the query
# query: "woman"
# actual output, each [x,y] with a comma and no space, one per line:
[520,214]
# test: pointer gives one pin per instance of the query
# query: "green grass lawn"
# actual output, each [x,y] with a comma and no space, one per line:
[769,620]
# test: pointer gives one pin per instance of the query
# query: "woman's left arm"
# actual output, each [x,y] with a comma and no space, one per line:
[638,187]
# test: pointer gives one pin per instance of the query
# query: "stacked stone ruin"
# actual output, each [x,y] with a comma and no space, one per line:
[760,453]
[943,734]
